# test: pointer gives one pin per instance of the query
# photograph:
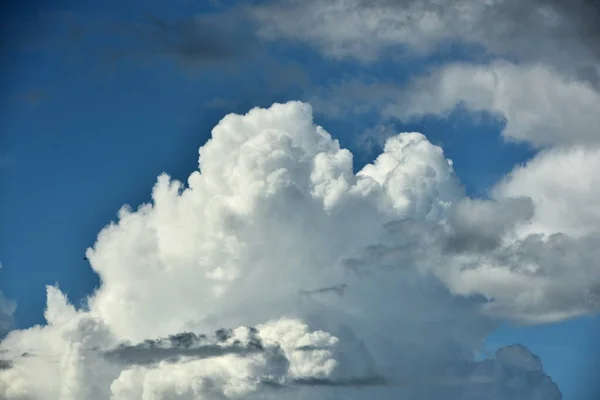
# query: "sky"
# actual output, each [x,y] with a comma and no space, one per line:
[300,199]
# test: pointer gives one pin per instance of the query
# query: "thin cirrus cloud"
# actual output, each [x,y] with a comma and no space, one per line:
[231,249]
[193,41]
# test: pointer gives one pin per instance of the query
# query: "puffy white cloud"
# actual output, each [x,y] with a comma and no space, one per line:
[552,251]
[274,214]
[538,105]
[564,186]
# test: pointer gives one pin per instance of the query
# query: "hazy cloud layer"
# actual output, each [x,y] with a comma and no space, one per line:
[200,40]
[274,210]
[562,33]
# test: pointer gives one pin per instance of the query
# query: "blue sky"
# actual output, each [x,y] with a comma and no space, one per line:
[80,138]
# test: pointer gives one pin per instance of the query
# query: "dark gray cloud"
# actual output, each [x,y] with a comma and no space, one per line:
[584,16]
[184,345]
[349,382]
[311,348]
[480,225]
[337,289]
[367,381]
[5,364]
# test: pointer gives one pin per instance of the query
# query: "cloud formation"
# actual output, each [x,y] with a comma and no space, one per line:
[533,103]
[561,33]
[182,345]
[276,209]
[527,98]
[216,38]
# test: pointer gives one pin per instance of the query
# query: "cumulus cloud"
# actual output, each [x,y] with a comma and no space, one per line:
[563,185]
[274,213]
[534,103]
[538,105]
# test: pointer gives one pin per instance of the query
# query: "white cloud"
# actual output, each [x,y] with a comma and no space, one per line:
[564,186]
[536,104]
[276,210]
[548,94]
[539,105]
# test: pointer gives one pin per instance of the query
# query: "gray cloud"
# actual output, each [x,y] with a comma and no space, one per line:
[7,310]
[561,33]
[584,16]
[513,372]
[315,382]
[183,345]
[5,364]
[337,289]
[357,382]
[532,278]
[480,225]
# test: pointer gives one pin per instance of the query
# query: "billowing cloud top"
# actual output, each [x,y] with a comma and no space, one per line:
[277,272]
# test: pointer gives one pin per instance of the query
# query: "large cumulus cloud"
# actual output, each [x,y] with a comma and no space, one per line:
[212,290]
